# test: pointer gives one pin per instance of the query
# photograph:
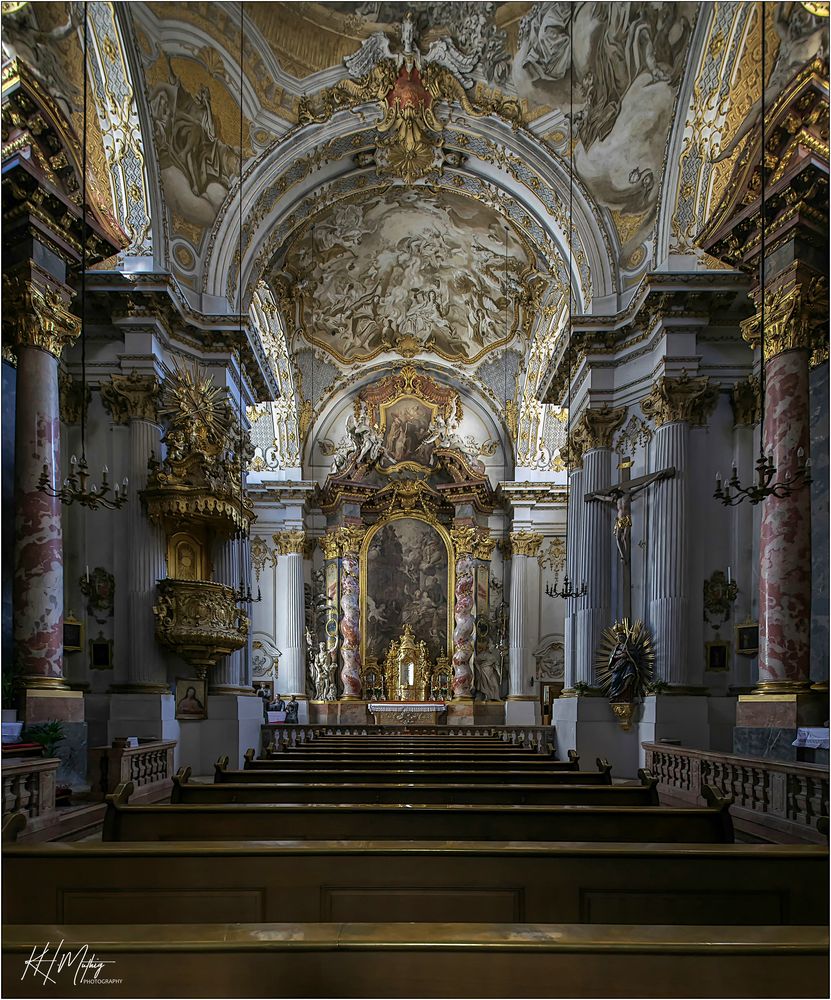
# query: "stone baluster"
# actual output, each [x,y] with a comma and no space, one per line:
[524,544]
[290,545]
[673,404]
[132,399]
[592,435]
[38,327]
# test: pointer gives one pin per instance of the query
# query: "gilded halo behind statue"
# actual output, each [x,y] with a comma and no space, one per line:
[624,666]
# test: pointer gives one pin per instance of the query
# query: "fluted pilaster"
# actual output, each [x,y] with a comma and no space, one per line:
[668,600]
[595,539]
[228,570]
[574,570]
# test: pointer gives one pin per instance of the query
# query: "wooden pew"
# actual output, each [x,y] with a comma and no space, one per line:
[428,960]
[645,794]
[537,762]
[146,883]
[413,775]
[323,821]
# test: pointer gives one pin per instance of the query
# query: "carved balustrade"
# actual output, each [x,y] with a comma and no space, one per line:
[150,767]
[29,786]
[539,738]
[773,800]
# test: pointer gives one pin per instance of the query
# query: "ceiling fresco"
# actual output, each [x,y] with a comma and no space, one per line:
[408,270]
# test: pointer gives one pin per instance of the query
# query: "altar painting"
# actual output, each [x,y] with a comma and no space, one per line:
[405,582]
[405,425]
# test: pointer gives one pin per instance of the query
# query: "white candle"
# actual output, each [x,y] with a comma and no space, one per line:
[87,574]
[729,576]
[410,674]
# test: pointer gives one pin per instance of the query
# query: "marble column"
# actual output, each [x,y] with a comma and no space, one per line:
[785,541]
[524,545]
[673,404]
[39,327]
[132,399]
[290,546]
[464,623]
[574,571]
[350,604]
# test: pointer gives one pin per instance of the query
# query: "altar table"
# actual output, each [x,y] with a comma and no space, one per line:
[393,713]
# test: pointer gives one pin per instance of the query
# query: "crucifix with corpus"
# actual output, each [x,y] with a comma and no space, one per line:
[621,495]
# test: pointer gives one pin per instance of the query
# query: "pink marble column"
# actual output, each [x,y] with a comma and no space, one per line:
[38,555]
[350,627]
[785,542]
[464,626]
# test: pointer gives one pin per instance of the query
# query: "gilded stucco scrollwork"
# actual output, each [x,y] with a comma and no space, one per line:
[796,317]
[746,400]
[132,396]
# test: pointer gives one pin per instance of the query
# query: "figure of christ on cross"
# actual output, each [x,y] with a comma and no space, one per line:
[621,496]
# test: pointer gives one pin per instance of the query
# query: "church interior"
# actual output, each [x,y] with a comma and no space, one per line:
[415,498]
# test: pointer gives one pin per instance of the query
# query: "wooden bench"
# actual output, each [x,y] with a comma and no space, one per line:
[474,881]
[412,775]
[186,792]
[298,759]
[428,960]
[324,821]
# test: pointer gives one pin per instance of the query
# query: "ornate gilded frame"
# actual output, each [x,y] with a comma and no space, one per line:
[427,518]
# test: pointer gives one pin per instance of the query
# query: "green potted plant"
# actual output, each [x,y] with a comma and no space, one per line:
[49,735]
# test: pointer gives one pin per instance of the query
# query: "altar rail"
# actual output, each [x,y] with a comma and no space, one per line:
[539,738]
[773,800]
[149,766]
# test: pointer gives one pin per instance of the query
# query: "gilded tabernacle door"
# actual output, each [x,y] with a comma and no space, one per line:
[407,577]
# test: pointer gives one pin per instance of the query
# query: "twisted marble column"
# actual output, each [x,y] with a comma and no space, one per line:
[42,327]
[290,548]
[350,603]
[524,544]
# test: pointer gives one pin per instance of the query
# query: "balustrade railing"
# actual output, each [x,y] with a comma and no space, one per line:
[772,799]
[29,786]
[539,738]
[149,766]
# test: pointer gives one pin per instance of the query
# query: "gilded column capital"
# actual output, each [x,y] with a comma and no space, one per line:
[686,399]
[746,400]
[525,543]
[483,546]
[289,542]
[330,545]
[131,396]
[35,315]
[796,318]
[71,396]
[465,538]
[596,428]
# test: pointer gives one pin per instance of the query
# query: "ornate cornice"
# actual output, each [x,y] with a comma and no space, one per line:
[796,316]
[528,494]
[746,400]
[37,314]
[525,543]
[290,542]
[686,399]
[666,299]
[131,396]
